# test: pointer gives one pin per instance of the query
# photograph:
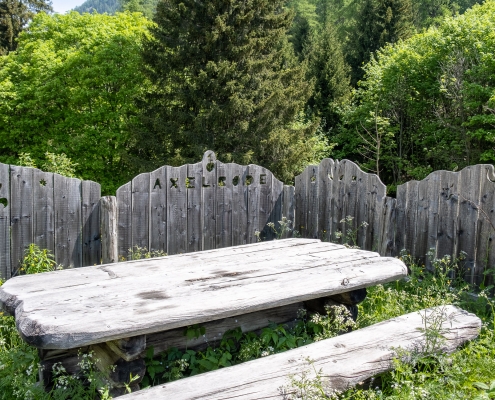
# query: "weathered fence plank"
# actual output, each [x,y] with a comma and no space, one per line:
[239,205]
[485,257]
[223,216]
[43,210]
[108,230]
[467,217]
[288,207]
[209,183]
[253,195]
[388,213]
[400,218]
[21,213]
[124,219]
[140,198]
[68,227]
[423,204]
[434,183]
[411,214]
[375,203]
[158,210]
[325,200]
[91,239]
[5,207]
[194,207]
[177,210]
[276,198]
[307,202]
[265,203]
[448,191]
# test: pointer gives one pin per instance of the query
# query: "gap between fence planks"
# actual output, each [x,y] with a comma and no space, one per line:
[73,308]
[342,362]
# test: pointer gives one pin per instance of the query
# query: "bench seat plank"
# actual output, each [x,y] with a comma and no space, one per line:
[74,308]
[343,361]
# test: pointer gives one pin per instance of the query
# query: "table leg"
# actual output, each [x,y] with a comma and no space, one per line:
[349,299]
[117,360]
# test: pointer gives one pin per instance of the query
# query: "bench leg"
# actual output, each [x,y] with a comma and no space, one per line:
[117,360]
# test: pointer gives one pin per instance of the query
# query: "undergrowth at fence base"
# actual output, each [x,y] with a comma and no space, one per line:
[468,373]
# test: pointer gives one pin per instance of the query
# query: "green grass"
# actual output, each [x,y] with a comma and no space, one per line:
[469,373]
[465,374]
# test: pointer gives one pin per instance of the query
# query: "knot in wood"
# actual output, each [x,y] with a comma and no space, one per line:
[345,282]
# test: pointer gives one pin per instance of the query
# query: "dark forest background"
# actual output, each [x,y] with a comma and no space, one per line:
[118,87]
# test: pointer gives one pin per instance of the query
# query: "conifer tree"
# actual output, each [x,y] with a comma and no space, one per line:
[225,78]
[331,73]
[14,16]
[147,7]
[378,22]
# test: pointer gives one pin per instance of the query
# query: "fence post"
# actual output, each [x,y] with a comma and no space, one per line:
[108,229]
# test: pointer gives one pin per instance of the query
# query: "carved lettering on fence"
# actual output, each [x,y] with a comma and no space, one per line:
[447,212]
[210,205]
[227,208]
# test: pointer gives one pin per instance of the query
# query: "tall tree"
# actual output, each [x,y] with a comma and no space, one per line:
[226,79]
[147,7]
[98,6]
[69,88]
[330,72]
[428,103]
[378,22]
[14,17]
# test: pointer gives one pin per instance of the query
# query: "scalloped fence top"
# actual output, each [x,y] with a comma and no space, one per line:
[211,205]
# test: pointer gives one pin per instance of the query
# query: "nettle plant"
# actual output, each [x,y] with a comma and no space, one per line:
[237,346]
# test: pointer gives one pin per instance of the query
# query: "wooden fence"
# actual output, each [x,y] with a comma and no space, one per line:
[211,205]
[56,213]
[199,206]
[446,213]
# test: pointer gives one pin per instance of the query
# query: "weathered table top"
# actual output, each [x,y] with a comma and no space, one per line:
[77,307]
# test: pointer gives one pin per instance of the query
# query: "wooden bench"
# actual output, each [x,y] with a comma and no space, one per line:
[118,310]
[341,362]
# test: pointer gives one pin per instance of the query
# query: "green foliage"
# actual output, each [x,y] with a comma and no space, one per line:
[236,346]
[56,163]
[14,17]
[378,22]
[98,6]
[348,235]
[19,361]
[428,101]
[37,260]
[330,72]
[424,372]
[139,253]
[147,7]
[70,89]
[225,78]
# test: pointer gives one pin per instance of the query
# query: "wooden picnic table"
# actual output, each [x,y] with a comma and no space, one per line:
[119,304]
